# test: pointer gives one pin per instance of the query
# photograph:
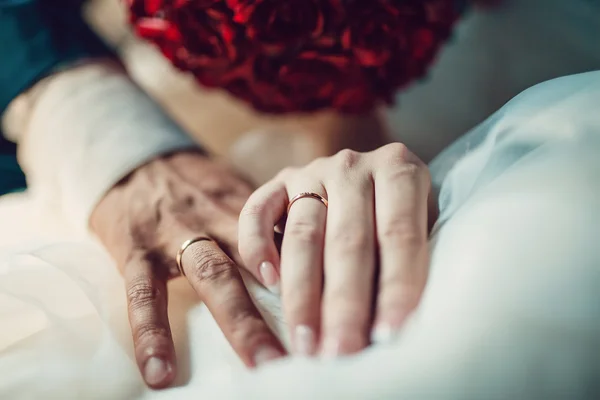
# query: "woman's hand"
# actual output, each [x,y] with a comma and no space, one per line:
[368,246]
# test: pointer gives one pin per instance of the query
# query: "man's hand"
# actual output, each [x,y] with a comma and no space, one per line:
[144,220]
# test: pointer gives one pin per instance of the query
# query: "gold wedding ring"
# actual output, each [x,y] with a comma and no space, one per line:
[309,195]
[184,246]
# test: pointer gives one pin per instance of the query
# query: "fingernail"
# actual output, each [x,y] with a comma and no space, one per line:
[269,276]
[265,354]
[304,340]
[156,371]
[383,333]
[331,348]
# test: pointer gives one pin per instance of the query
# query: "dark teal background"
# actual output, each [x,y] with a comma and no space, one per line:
[11,176]
[35,37]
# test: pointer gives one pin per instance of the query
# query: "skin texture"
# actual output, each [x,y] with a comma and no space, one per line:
[369,246]
[143,221]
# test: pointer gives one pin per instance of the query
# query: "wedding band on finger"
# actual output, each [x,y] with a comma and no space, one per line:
[307,195]
[184,246]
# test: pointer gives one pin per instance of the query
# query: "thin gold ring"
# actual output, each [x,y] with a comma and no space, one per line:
[309,195]
[184,246]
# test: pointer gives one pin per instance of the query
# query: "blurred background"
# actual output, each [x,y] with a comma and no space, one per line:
[496,53]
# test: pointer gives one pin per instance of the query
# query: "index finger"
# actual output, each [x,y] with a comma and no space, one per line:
[148,317]
[256,241]
[218,282]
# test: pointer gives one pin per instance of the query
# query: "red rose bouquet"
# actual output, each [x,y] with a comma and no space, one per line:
[300,55]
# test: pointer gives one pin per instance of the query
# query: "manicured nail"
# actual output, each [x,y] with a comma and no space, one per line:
[270,277]
[304,341]
[156,371]
[383,333]
[265,354]
[331,348]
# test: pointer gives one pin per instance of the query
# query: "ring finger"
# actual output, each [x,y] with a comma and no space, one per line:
[349,267]
[402,199]
[217,280]
[302,264]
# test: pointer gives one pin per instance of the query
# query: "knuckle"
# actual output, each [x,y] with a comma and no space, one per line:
[347,313]
[180,204]
[247,327]
[350,239]
[142,293]
[304,232]
[402,172]
[251,332]
[398,156]
[243,317]
[403,232]
[347,159]
[397,296]
[145,333]
[213,266]
[396,150]
[253,209]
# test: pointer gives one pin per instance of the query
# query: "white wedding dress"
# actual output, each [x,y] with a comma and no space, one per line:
[511,311]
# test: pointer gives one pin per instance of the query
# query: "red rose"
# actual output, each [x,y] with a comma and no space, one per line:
[311,81]
[208,38]
[256,83]
[300,55]
[165,34]
[146,8]
[373,30]
[282,24]
[378,28]
[194,35]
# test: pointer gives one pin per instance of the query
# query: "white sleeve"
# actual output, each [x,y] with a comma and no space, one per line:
[80,131]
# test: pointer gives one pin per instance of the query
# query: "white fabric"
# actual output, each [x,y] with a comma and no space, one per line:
[511,310]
